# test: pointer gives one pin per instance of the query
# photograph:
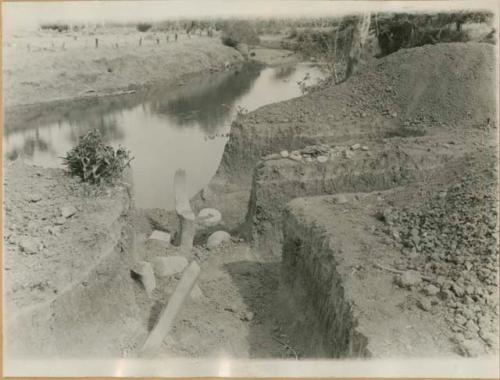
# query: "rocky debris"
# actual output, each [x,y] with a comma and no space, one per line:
[355,146]
[209,217]
[143,272]
[217,239]
[322,159]
[284,154]
[169,266]
[161,236]
[424,304]
[408,279]
[451,240]
[247,316]
[68,211]
[30,245]
[431,290]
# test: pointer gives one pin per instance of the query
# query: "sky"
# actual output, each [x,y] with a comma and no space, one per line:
[29,15]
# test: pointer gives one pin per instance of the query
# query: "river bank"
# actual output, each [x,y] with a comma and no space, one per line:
[44,67]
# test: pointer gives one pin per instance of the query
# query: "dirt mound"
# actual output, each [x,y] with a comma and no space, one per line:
[426,89]
[444,83]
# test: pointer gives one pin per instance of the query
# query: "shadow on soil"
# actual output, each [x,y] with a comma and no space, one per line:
[258,284]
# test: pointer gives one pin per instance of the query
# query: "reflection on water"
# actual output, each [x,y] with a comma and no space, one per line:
[164,129]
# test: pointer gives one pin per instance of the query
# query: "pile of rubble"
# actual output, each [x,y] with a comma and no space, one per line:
[320,153]
[450,250]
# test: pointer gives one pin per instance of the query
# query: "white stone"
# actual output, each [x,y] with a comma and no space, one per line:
[322,159]
[209,217]
[68,211]
[169,266]
[355,146]
[284,153]
[217,239]
[144,271]
[196,293]
[162,236]
[29,245]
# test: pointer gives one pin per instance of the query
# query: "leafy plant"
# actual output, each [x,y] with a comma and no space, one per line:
[95,162]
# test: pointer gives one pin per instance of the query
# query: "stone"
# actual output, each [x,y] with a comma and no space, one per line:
[340,199]
[284,153]
[34,198]
[409,278]
[355,146]
[68,211]
[143,271]
[60,221]
[425,304]
[295,156]
[217,239]
[471,348]
[346,153]
[247,316]
[460,319]
[162,236]
[431,290]
[365,148]
[209,217]
[196,293]
[322,159]
[29,245]
[458,290]
[169,266]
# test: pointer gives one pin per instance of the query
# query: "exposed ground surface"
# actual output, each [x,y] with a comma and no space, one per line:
[427,119]
[119,63]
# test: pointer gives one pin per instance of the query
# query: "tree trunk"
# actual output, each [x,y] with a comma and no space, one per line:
[359,36]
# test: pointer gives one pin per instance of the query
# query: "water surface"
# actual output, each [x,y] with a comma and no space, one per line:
[165,129]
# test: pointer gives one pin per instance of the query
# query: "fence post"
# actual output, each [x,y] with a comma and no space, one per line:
[96,43]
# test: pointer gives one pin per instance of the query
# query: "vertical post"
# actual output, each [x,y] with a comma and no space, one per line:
[140,41]
[96,43]
[186,216]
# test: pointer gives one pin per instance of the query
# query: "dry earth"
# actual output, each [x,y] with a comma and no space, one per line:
[435,102]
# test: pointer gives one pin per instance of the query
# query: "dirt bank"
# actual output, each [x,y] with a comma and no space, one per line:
[66,273]
[443,85]
[387,273]
[43,67]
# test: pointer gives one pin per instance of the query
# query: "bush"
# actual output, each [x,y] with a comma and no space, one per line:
[144,26]
[234,33]
[56,26]
[95,162]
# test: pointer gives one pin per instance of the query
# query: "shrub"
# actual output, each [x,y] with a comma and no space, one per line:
[234,33]
[95,162]
[56,26]
[144,26]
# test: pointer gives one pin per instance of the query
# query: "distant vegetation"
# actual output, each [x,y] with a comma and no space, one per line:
[56,26]
[235,33]
[95,162]
[144,26]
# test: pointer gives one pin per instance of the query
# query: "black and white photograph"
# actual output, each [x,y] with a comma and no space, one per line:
[250,188]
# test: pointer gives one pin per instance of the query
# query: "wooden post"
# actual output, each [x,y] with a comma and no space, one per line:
[96,43]
[140,41]
[167,316]
[186,216]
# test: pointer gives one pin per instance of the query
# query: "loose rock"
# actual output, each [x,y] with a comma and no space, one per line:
[284,153]
[169,266]
[209,217]
[68,211]
[29,245]
[162,236]
[143,271]
[217,239]
[409,278]
[322,159]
